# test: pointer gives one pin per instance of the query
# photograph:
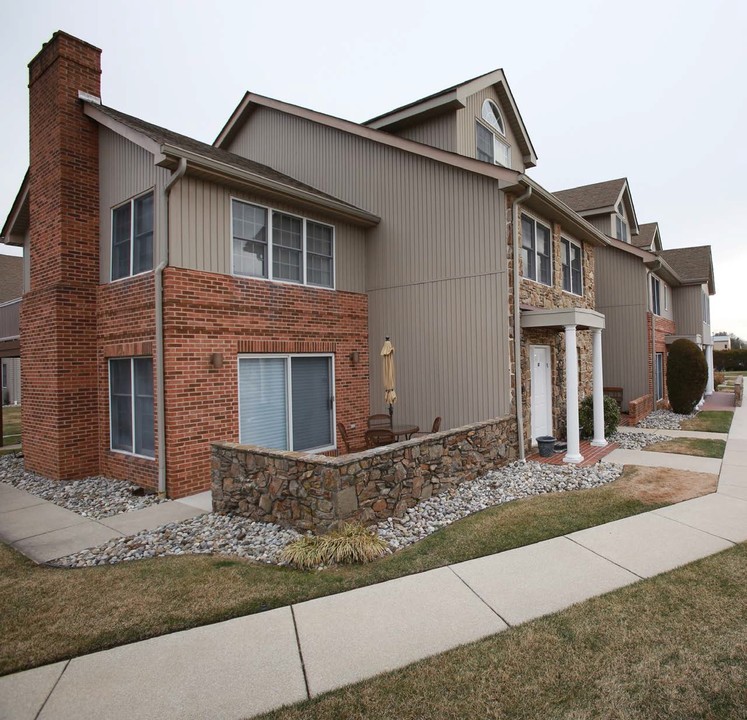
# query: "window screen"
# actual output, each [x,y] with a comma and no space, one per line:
[529,267]
[287,247]
[319,263]
[484,143]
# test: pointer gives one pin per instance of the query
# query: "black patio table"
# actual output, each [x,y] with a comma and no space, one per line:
[407,430]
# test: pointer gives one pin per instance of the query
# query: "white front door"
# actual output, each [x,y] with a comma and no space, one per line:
[541,389]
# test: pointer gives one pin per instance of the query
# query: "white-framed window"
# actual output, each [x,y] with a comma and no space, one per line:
[659,376]
[536,250]
[665,292]
[286,402]
[655,295]
[131,406]
[490,134]
[132,237]
[621,229]
[276,245]
[572,261]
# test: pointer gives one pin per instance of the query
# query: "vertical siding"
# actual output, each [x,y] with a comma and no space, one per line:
[603,223]
[688,311]
[465,123]
[200,231]
[439,132]
[622,296]
[439,252]
[125,170]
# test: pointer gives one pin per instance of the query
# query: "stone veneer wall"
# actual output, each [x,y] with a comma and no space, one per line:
[316,492]
[738,391]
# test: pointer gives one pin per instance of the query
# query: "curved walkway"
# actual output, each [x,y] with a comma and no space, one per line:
[253,664]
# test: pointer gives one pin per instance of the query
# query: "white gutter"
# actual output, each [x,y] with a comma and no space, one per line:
[160,383]
[517,322]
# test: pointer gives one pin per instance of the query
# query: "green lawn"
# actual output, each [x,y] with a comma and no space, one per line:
[710,421]
[690,446]
[51,614]
[11,424]
[670,648]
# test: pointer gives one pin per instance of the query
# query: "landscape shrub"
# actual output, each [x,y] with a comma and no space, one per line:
[687,375]
[351,543]
[586,416]
[730,359]
[718,379]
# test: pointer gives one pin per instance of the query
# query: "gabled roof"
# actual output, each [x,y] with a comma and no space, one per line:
[648,237]
[11,277]
[17,221]
[455,97]
[601,197]
[167,145]
[251,101]
[694,265]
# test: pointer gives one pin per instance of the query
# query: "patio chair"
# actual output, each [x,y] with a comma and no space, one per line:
[349,447]
[376,437]
[436,427]
[381,420]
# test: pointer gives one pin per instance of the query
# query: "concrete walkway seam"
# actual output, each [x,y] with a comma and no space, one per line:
[480,597]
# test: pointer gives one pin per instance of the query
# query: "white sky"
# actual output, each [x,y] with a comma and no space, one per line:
[655,91]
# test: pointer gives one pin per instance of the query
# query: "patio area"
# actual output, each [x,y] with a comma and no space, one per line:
[592,455]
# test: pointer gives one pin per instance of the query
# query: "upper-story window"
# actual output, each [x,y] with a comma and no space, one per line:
[132,237]
[490,136]
[279,246]
[571,256]
[536,250]
[655,295]
[621,230]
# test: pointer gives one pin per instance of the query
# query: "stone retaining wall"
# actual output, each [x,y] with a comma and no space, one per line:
[738,391]
[315,492]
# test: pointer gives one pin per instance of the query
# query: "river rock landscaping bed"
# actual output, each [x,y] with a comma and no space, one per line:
[93,497]
[636,441]
[663,420]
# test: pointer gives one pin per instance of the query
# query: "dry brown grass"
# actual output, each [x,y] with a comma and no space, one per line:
[670,648]
[664,485]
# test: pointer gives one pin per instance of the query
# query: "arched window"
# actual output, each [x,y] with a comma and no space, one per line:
[492,116]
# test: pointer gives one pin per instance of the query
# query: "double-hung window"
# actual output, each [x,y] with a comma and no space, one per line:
[655,295]
[132,237]
[536,250]
[490,132]
[659,389]
[621,231]
[571,259]
[131,405]
[279,246]
[286,402]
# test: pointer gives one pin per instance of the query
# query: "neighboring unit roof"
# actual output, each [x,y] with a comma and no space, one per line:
[17,221]
[646,235]
[11,277]
[169,141]
[592,197]
[455,97]
[692,264]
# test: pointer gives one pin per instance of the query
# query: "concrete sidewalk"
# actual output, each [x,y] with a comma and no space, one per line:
[250,665]
[44,531]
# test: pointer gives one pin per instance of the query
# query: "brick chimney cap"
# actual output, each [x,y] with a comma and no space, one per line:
[67,36]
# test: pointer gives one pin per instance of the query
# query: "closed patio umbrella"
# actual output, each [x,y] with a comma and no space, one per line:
[387,355]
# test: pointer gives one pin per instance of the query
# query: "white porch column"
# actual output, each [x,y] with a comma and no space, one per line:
[598,387]
[709,360]
[573,454]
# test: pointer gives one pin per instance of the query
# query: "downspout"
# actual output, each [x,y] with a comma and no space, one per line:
[517,322]
[160,382]
[651,272]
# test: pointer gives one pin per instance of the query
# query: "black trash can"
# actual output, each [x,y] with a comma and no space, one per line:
[546,445]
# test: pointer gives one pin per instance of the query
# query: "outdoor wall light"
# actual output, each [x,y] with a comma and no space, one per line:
[354,357]
[216,360]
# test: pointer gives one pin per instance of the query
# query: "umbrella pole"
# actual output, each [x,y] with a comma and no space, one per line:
[391,415]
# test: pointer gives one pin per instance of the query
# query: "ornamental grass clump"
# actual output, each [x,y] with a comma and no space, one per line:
[350,543]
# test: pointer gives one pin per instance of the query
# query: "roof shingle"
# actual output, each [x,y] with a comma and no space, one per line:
[692,264]
[590,197]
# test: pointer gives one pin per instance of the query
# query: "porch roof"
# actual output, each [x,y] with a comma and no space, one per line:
[558,318]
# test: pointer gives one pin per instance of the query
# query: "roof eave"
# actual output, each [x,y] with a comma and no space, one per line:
[12,232]
[225,172]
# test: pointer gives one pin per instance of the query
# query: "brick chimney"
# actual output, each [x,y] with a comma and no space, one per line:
[58,318]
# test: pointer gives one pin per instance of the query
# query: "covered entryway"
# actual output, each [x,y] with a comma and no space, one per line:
[541,388]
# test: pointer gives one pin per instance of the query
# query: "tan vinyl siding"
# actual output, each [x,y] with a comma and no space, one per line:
[465,123]
[665,312]
[603,223]
[200,231]
[438,224]
[438,132]
[26,263]
[622,296]
[125,170]
[688,311]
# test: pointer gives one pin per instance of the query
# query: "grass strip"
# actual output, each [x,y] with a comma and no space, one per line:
[709,421]
[698,447]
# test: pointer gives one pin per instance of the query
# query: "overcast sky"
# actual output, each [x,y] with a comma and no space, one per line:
[654,91]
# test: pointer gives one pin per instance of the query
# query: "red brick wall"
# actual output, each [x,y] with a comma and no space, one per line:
[662,328]
[206,313]
[58,318]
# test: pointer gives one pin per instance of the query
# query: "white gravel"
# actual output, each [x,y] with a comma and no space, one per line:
[508,483]
[93,497]
[663,420]
[636,441]
[233,535]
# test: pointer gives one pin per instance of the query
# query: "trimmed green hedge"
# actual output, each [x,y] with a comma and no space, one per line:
[687,375]
[730,359]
